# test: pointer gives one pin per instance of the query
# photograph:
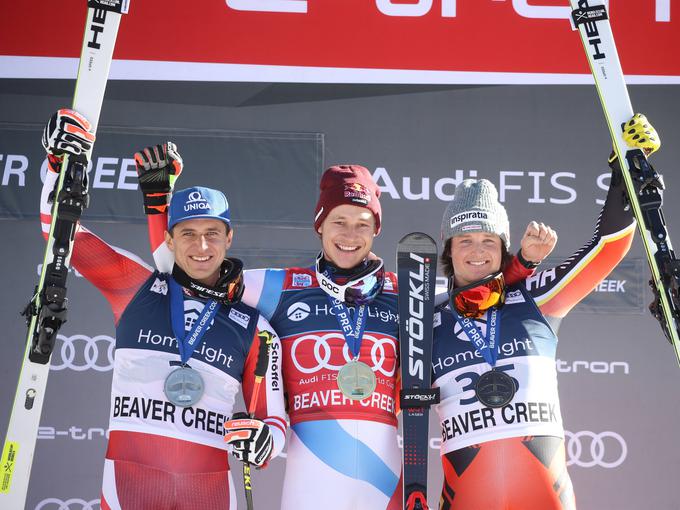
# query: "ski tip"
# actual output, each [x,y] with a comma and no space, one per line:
[417,237]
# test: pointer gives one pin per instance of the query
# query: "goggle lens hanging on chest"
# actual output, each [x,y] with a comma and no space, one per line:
[475,299]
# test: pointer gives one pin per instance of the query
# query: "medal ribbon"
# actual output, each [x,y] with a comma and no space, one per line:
[487,346]
[188,342]
[353,331]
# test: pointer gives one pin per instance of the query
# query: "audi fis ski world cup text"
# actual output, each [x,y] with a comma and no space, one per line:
[534,186]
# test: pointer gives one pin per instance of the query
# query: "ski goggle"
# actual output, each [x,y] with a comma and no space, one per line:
[474,299]
[231,280]
[359,289]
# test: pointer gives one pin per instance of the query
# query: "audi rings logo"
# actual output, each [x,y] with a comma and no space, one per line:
[69,504]
[589,449]
[81,352]
[298,311]
[318,350]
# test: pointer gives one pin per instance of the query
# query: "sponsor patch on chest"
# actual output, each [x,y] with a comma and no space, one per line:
[239,318]
[437,321]
[514,297]
[302,280]
[159,287]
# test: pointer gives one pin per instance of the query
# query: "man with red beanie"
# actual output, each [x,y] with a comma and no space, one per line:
[337,321]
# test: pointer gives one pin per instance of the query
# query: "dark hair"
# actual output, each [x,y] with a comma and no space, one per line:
[447,263]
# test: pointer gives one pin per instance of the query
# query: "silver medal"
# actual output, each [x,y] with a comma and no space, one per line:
[184,387]
[356,380]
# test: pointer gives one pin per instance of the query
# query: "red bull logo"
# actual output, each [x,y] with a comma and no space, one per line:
[357,193]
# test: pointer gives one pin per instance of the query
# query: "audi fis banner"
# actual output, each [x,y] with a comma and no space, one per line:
[391,41]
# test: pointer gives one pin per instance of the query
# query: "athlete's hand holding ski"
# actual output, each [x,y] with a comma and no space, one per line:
[68,138]
[157,168]
[250,438]
[639,133]
[67,132]
[643,184]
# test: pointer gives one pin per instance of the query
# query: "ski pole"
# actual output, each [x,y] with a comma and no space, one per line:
[260,371]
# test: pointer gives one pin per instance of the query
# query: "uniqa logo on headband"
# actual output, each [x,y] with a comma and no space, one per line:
[468,216]
[357,192]
[196,201]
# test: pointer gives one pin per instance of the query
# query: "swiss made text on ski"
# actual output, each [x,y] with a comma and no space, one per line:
[416,272]
[46,311]
[644,185]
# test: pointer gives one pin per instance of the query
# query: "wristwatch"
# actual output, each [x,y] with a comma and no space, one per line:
[526,263]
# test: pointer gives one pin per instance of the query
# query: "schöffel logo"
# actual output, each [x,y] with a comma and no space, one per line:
[468,216]
[357,193]
[196,201]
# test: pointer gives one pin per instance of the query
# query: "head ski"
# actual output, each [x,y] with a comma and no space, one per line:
[46,311]
[644,185]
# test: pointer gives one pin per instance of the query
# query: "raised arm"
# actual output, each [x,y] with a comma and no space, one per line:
[158,167]
[117,273]
[559,289]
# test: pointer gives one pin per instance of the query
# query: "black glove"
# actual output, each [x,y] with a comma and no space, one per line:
[67,131]
[251,439]
[157,169]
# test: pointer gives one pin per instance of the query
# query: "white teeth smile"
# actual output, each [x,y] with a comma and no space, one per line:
[476,263]
[347,248]
[200,259]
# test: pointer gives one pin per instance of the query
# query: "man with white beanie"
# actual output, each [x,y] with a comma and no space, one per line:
[502,434]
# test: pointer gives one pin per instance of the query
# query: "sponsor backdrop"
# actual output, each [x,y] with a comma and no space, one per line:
[266,144]
[545,147]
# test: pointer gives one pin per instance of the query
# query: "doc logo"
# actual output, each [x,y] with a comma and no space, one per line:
[196,202]
[298,311]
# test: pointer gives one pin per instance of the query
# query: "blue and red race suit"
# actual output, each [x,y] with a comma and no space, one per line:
[160,455]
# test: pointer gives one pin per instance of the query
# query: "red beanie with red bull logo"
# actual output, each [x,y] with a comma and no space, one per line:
[347,184]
